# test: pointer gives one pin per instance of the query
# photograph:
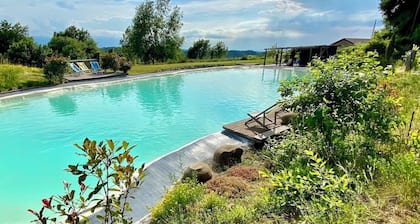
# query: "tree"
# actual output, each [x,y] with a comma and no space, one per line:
[199,50]
[154,33]
[74,43]
[219,50]
[10,34]
[20,52]
[402,18]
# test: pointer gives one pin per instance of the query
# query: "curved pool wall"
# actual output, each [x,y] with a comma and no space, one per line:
[88,85]
[162,173]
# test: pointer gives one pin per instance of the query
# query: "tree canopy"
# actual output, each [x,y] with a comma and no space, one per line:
[74,43]
[403,20]
[154,33]
[203,49]
[10,34]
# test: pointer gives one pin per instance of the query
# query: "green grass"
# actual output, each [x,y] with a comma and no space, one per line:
[26,77]
[150,68]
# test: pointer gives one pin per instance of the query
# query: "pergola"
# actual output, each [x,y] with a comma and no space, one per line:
[306,53]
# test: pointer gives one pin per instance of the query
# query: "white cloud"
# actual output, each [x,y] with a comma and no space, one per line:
[241,24]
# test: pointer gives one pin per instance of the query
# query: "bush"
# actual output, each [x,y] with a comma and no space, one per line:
[55,68]
[341,97]
[124,65]
[248,173]
[9,77]
[110,61]
[227,186]
[174,204]
[307,188]
[112,168]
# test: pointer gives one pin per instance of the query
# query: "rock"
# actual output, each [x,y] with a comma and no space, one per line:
[199,170]
[228,155]
[286,117]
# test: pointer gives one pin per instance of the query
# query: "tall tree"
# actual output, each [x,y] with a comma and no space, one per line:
[402,17]
[219,50]
[10,34]
[74,43]
[199,50]
[154,33]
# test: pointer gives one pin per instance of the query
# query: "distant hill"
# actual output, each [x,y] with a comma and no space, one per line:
[238,54]
[230,54]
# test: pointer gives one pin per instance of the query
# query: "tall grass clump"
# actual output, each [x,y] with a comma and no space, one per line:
[9,76]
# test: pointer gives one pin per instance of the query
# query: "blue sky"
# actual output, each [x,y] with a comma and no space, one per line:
[241,24]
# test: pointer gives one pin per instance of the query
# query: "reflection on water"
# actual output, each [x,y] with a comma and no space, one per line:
[160,95]
[277,74]
[63,105]
[118,92]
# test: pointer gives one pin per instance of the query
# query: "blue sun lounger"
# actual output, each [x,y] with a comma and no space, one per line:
[75,68]
[95,66]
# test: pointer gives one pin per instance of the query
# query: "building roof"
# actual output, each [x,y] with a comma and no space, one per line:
[351,40]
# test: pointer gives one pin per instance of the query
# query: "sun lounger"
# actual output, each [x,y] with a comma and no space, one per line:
[75,68]
[83,67]
[96,67]
[263,118]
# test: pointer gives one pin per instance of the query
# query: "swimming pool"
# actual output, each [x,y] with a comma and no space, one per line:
[160,114]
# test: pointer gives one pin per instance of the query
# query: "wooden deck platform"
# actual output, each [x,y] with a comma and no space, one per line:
[90,76]
[254,131]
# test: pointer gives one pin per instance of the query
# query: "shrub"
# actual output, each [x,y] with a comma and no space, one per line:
[303,187]
[112,168]
[227,186]
[343,96]
[9,78]
[248,173]
[124,65]
[110,61]
[175,202]
[54,69]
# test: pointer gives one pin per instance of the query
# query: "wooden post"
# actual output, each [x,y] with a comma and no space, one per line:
[265,56]
[281,55]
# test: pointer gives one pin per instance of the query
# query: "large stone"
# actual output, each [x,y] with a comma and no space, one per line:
[199,170]
[228,155]
[286,117]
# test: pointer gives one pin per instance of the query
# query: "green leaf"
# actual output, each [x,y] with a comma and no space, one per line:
[110,144]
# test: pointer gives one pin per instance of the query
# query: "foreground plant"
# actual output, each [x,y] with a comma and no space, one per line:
[112,172]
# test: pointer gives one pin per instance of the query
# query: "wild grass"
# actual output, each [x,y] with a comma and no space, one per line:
[13,77]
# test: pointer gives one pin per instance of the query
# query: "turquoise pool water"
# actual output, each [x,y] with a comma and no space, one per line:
[158,115]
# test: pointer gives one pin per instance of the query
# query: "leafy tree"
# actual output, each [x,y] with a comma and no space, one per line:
[75,33]
[219,50]
[20,52]
[402,18]
[154,33]
[10,34]
[199,50]
[74,43]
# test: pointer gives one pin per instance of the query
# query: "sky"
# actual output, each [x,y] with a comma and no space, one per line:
[240,24]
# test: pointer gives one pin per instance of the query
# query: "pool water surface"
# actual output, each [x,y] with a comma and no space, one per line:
[159,115]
